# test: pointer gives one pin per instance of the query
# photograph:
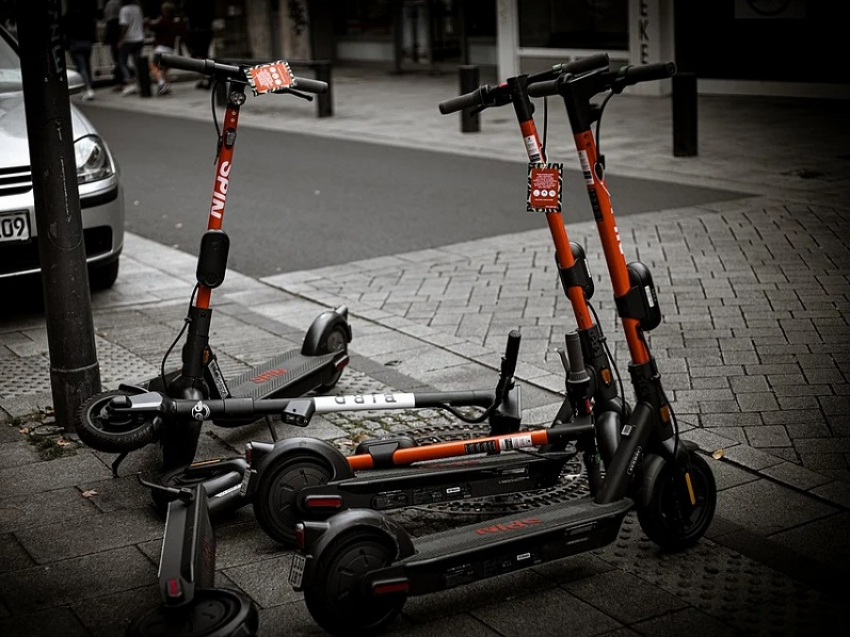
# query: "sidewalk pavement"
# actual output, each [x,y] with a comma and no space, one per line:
[754,351]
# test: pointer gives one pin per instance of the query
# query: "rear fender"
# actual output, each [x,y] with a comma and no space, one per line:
[319,536]
[317,335]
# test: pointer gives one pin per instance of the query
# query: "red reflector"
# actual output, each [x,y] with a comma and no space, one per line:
[323,502]
[249,448]
[385,588]
[299,536]
[174,588]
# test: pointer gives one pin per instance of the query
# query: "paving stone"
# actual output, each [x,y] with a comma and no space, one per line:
[110,615]
[266,581]
[837,492]
[13,557]
[727,475]
[101,533]
[756,506]
[795,476]
[757,401]
[545,614]
[18,512]
[768,436]
[15,454]
[69,581]
[624,597]
[750,458]
[45,623]
[54,474]
[688,621]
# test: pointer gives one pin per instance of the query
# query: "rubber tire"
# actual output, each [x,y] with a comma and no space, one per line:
[275,499]
[661,521]
[102,277]
[131,435]
[335,599]
[213,612]
[337,341]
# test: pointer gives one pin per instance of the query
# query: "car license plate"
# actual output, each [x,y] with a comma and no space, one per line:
[246,482]
[296,570]
[15,226]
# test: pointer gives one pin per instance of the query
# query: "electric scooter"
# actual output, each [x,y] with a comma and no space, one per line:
[358,567]
[317,366]
[190,603]
[301,478]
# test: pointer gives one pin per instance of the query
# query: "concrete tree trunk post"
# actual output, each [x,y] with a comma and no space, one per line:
[74,372]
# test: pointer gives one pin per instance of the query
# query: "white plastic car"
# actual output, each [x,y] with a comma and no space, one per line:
[101,196]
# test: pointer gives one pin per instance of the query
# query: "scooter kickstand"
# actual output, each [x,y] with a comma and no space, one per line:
[272,431]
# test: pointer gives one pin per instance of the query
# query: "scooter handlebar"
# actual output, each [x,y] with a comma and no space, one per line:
[509,360]
[630,75]
[454,104]
[317,87]
[204,67]
[544,89]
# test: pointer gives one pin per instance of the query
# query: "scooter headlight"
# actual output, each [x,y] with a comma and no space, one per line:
[93,161]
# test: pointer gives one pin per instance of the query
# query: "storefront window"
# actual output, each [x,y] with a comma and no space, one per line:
[362,18]
[574,24]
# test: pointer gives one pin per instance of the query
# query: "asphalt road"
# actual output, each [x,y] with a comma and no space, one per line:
[299,202]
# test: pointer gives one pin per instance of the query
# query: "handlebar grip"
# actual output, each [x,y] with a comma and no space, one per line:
[544,89]
[648,72]
[204,67]
[574,355]
[317,87]
[511,353]
[585,64]
[455,104]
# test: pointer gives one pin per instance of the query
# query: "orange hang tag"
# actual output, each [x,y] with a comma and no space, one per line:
[545,183]
[267,78]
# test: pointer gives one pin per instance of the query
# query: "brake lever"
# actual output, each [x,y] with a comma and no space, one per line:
[292,91]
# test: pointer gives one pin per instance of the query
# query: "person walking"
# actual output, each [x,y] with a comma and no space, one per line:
[132,24]
[166,29]
[79,28]
[112,34]
[199,16]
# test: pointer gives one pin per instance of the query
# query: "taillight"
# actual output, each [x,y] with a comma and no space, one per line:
[174,591]
[249,451]
[390,587]
[323,502]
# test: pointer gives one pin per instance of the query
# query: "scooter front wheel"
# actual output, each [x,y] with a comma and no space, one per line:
[212,613]
[670,520]
[276,501]
[335,597]
[101,429]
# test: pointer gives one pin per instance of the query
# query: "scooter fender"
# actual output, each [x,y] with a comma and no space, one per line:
[321,327]
[319,536]
[263,459]
[651,469]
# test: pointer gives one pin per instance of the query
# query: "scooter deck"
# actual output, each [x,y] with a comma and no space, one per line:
[443,481]
[509,543]
[288,375]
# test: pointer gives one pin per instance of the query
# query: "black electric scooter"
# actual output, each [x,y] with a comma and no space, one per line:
[358,567]
[190,605]
[302,478]
[317,366]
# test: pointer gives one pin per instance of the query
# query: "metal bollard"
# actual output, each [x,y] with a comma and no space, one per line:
[324,102]
[143,76]
[469,81]
[685,115]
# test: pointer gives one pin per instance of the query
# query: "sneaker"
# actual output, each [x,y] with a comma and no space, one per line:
[88,95]
[129,89]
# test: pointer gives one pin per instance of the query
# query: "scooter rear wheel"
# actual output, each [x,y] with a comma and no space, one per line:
[667,520]
[212,613]
[336,598]
[275,503]
[105,432]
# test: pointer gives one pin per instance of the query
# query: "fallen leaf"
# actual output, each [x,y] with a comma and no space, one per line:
[717,455]
[63,443]
[24,430]
[89,493]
